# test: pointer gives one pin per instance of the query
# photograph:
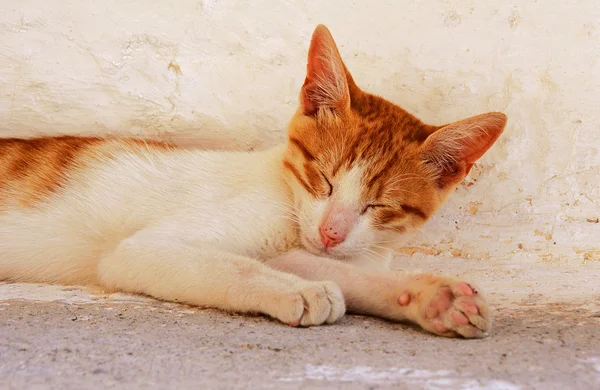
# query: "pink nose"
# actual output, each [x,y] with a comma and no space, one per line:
[330,237]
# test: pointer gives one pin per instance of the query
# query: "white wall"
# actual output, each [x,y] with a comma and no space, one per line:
[224,70]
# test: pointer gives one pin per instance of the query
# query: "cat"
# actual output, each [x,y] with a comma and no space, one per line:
[300,232]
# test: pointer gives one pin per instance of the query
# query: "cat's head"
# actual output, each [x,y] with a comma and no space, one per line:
[364,171]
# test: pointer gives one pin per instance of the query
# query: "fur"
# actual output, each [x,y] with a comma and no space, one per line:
[300,232]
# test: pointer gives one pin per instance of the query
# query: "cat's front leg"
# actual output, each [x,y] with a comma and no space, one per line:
[153,263]
[441,305]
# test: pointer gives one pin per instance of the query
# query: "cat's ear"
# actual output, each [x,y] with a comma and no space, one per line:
[325,86]
[453,149]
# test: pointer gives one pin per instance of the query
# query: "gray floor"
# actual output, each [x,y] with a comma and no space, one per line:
[105,344]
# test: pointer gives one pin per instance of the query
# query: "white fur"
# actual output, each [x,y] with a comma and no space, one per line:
[195,196]
[215,229]
[190,226]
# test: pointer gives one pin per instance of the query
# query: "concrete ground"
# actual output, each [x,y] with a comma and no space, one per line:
[545,336]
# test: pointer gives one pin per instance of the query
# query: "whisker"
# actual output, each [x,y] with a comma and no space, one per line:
[381,247]
[406,176]
[291,219]
[402,178]
[405,191]
[424,233]
[375,253]
[289,214]
[366,256]
[370,257]
[387,241]
[286,207]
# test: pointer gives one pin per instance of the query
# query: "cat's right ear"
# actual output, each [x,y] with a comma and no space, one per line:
[325,86]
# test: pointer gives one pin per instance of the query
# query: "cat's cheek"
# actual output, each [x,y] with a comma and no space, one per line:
[380,234]
[385,234]
[361,237]
[312,212]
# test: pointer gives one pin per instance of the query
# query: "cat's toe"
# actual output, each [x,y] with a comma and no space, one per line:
[313,304]
[336,301]
[456,309]
[323,303]
[476,310]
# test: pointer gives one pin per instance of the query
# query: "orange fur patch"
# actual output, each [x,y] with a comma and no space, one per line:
[409,167]
[33,169]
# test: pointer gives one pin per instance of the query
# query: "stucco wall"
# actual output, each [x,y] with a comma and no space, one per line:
[225,72]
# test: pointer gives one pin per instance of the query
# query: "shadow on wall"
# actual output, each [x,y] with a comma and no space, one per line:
[205,133]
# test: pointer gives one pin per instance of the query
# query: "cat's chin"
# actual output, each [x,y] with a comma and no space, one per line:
[312,248]
[319,251]
[309,246]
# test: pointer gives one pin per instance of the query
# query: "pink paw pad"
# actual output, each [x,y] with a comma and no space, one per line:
[404,299]
[456,308]
[444,300]
[431,312]
[465,289]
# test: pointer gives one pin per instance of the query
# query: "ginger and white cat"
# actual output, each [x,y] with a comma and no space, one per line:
[301,232]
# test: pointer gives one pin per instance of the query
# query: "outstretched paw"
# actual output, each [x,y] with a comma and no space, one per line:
[451,308]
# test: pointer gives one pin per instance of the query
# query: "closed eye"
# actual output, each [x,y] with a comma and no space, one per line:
[373,206]
[328,183]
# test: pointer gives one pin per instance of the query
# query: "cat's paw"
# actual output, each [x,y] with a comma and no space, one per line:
[314,303]
[449,307]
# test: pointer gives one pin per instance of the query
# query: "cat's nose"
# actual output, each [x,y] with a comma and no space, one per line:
[336,225]
[330,237]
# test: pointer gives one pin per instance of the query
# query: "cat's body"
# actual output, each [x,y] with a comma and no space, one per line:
[115,188]
[218,228]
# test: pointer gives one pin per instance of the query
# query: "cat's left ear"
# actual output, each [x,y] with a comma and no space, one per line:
[325,86]
[453,149]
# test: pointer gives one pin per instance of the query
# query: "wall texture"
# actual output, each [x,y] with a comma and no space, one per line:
[227,72]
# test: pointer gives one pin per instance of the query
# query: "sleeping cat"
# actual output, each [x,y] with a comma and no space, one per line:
[301,232]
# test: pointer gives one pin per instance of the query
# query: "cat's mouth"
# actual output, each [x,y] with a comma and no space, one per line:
[320,250]
[309,246]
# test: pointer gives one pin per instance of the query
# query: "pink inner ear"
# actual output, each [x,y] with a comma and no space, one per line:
[454,148]
[485,133]
[318,46]
[325,85]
